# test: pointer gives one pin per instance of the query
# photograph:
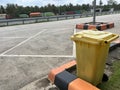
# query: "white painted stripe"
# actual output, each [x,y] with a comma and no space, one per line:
[24,41]
[74,47]
[75,30]
[36,56]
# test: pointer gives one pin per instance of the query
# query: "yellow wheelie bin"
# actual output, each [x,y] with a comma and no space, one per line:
[91,53]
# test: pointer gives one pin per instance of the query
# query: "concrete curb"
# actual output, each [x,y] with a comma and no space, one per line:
[67,81]
[102,26]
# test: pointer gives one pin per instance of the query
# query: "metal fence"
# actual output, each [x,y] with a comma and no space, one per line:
[7,22]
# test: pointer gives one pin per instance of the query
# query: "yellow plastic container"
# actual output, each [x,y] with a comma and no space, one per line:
[91,52]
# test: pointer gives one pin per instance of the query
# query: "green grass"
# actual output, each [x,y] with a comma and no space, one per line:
[114,80]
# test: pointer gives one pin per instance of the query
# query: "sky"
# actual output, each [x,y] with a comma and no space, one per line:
[45,2]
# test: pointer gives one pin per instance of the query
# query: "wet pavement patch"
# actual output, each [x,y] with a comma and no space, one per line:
[45,84]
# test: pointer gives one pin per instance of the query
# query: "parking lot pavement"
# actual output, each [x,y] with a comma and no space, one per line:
[16,72]
[29,52]
[45,42]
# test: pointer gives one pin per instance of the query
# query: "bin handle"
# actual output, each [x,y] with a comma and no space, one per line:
[111,39]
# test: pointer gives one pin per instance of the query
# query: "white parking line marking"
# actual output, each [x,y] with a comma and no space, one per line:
[74,47]
[54,56]
[24,41]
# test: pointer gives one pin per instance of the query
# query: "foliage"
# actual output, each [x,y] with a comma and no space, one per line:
[15,10]
[113,83]
[2,9]
[111,2]
[11,9]
[100,2]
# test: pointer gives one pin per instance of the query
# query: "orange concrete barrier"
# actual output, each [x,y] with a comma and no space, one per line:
[93,27]
[80,26]
[100,26]
[103,27]
[79,84]
[54,72]
[111,25]
[69,81]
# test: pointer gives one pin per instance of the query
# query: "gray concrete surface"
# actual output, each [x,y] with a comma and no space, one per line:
[29,52]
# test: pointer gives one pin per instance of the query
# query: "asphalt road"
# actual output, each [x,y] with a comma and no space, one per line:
[29,52]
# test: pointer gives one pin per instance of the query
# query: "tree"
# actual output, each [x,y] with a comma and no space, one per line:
[2,10]
[71,7]
[11,9]
[36,9]
[54,9]
[27,10]
[111,2]
[15,10]
[100,2]
[85,7]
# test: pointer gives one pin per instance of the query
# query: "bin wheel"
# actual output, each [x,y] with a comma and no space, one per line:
[105,78]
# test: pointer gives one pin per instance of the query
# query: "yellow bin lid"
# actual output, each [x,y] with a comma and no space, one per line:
[94,37]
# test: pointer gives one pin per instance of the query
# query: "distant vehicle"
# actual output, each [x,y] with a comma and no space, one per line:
[46,14]
[35,14]
[8,16]
[71,12]
[23,16]
[77,12]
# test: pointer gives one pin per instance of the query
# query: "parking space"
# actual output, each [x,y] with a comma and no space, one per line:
[45,42]
[7,43]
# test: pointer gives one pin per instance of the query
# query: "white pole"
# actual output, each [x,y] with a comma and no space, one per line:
[94,8]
